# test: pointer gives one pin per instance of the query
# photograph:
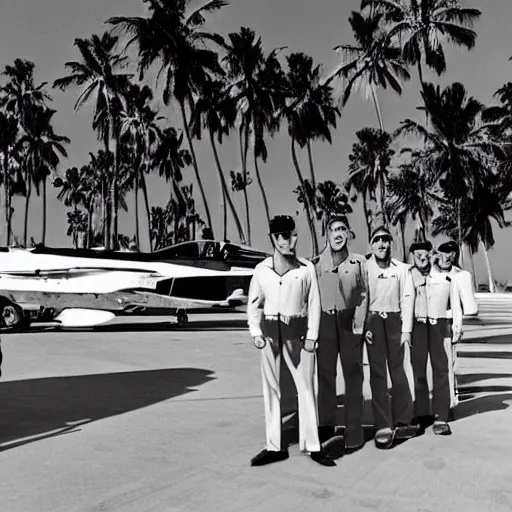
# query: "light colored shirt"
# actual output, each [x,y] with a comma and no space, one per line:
[343,287]
[464,282]
[386,286]
[294,294]
[431,296]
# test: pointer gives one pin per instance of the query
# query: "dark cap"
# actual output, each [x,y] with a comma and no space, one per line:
[418,246]
[449,246]
[282,224]
[337,217]
[380,230]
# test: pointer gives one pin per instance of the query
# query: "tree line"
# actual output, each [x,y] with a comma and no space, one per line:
[451,174]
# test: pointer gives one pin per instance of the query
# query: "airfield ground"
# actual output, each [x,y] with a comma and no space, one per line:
[142,417]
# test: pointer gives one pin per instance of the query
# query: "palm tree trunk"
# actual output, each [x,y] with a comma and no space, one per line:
[311,166]
[137,231]
[244,148]
[260,183]
[7,193]
[422,226]
[194,163]
[314,241]
[472,260]
[225,190]
[402,223]
[492,288]
[459,231]
[114,230]
[28,190]
[366,213]
[382,187]
[43,234]
[148,212]
[377,106]
[89,223]
[313,181]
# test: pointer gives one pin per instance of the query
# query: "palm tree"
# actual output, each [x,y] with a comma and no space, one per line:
[170,159]
[175,38]
[455,142]
[9,129]
[42,149]
[99,78]
[216,112]
[139,132]
[20,94]
[330,200]
[489,201]
[411,195]
[310,114]
[421,26]
[254,83]
[374,62]
[369,168]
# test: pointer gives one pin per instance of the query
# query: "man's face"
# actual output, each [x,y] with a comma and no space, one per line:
[381,246]
[338,235]
[421,259]
[445,260]
[285,243]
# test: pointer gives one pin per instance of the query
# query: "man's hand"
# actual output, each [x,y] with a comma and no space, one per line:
[457,336]
[368,336]
[406,338]
[259,342]
[310,345]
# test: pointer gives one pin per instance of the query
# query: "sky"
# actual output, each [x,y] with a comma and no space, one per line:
[44,30]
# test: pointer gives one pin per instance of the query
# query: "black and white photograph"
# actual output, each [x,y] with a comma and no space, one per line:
[254,255]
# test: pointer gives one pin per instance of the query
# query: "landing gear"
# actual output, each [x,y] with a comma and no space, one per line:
[181,317]
[14,317]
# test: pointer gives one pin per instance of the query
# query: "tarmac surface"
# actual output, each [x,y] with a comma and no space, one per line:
[142,416]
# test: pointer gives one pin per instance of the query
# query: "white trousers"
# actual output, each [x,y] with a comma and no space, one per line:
[451,352]
[304,377]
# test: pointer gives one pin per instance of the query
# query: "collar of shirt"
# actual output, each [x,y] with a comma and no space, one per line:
[325,260]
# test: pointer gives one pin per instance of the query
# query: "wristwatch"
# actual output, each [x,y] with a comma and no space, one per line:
[315,346]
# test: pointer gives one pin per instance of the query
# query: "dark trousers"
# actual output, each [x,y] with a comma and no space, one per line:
[336,338]
[428,339]
[385,352]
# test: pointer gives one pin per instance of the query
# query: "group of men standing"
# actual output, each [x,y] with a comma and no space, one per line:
[312,312]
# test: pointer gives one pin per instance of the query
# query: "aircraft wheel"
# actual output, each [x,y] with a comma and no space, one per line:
[182,317]
[14,317]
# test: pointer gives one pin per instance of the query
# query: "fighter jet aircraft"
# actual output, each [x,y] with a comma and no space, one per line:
[79,288]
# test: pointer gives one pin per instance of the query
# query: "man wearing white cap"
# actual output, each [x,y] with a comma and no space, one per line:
[342,282]
[447,260]
[388,342]
[429,297]
[283,315]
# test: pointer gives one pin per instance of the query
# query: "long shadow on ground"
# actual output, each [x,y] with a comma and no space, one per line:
[40,408]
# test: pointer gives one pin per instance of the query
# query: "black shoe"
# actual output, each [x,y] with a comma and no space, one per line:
[384,438]
[267,457]
[325,432]
[322,458]
[441,428]
[403,431]
[334,447]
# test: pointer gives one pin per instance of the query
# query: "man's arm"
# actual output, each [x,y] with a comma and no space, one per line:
[255,304]
[314,307]
[456,307]
[361,311]
[408,297]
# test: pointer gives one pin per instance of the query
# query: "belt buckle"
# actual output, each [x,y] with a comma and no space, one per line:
[433,321]
[383,314]
[331,311]
[421,320]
